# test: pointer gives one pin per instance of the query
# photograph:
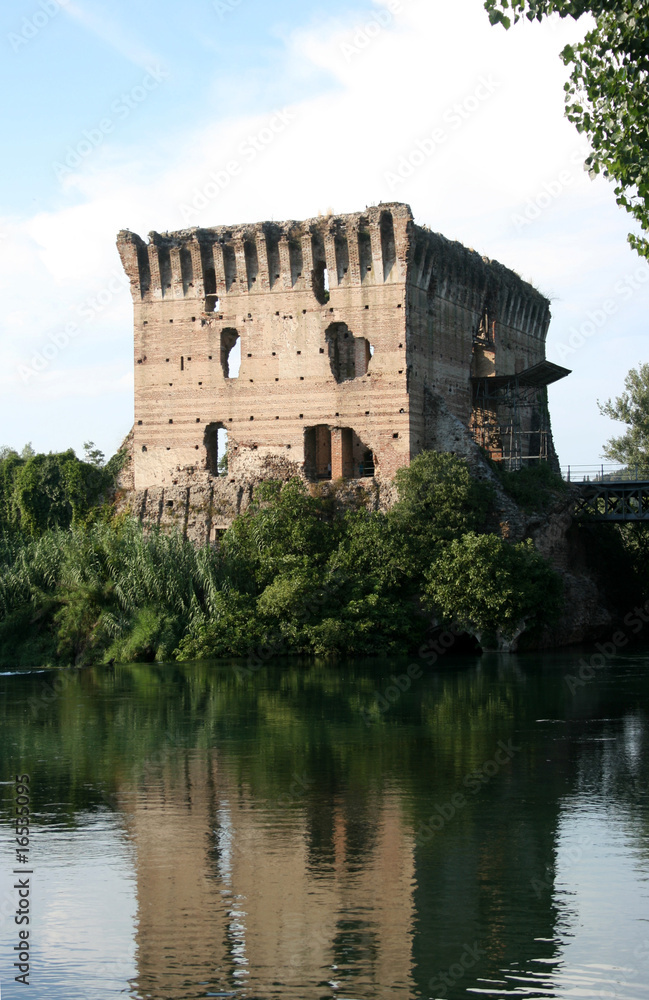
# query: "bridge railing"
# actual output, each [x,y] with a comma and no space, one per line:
[604,473]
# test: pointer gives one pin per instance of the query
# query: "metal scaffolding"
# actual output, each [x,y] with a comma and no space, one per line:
[510,417]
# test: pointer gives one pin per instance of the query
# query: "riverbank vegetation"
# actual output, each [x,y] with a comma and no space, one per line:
[79,584]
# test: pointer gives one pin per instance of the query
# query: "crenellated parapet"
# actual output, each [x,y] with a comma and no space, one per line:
[448,270]
[381,245]
[363,248]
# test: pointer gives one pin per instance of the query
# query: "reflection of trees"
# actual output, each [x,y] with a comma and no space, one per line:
[293,742]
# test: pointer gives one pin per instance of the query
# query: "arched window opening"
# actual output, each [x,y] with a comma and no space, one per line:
[252,262]
[319,275]
[229,265]
[295,259]
[388,248]
[274,261]
[342,257]
[186,269]
[320,282]
[230,353]
[211,298]
[164,260]
[215,440]
[365,254]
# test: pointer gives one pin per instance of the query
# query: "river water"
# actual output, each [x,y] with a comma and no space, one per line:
[305,831]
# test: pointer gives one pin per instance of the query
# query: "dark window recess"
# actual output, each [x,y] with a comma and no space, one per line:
[396,434]
[143,447]
[212,302]
[317,452]
[170,503]
[171,421]
[341,251]
[349,356]
[182,364]
[366,466]
[140,422]
[388,250]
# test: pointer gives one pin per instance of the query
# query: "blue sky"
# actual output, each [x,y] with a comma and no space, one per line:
[116,116]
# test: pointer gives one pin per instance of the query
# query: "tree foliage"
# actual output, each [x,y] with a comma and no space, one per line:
[495,590]
[631,408]
[39,492]
[607,96]
[294,573]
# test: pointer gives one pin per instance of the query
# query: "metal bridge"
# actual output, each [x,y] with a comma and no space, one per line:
[610,492]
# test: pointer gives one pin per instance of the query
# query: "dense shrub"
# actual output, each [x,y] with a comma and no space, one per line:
[290,575]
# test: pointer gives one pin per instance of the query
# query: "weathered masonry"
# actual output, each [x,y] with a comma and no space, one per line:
[361,337]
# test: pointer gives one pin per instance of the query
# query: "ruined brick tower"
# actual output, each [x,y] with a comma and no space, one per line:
[361,337]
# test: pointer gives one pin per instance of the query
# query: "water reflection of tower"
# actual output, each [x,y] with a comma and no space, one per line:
[233,891]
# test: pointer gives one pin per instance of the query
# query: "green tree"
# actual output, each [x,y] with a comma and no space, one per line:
[492,589]
[94,456]
[631,408]
[607,97]
[438,500]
